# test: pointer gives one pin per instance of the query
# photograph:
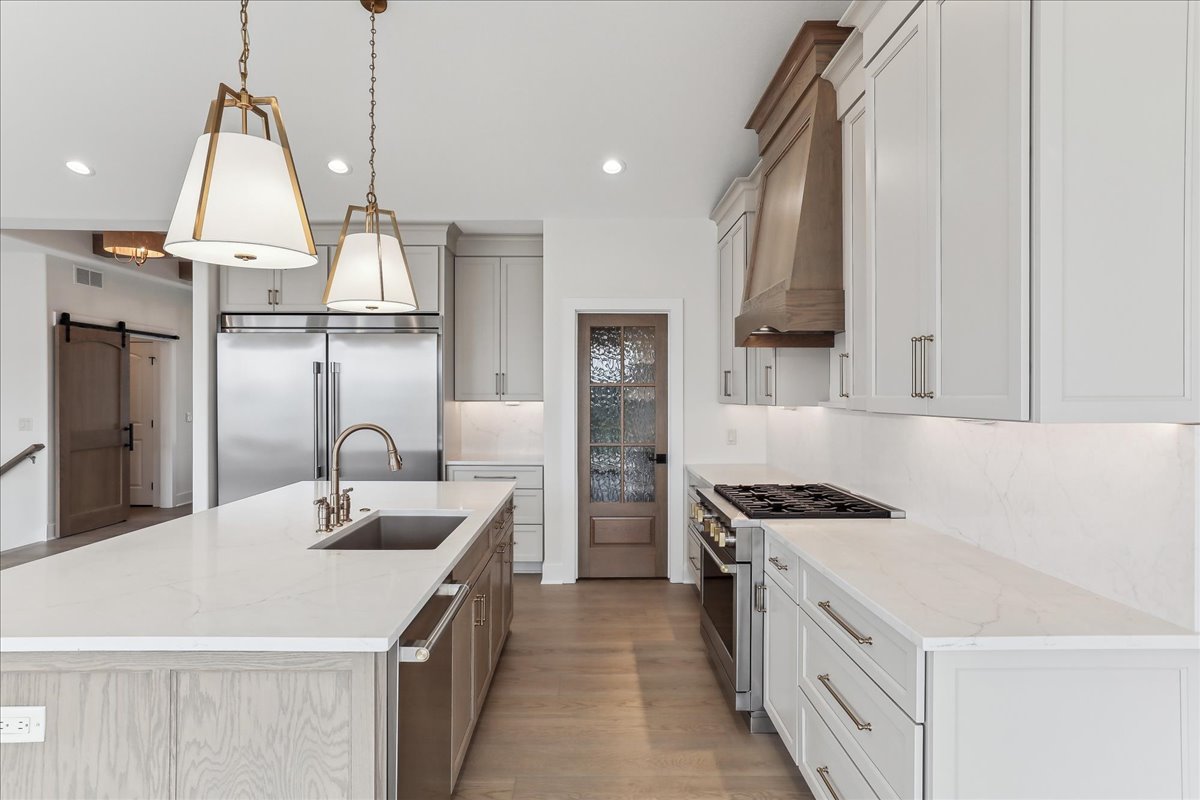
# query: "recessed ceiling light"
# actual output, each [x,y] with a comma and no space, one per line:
[80,168]
[338,166]
[613,166]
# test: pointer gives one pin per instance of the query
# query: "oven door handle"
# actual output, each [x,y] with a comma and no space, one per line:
[726,568]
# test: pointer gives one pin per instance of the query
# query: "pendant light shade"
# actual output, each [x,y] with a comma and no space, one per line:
[244,210]
[370,273]
[240,205]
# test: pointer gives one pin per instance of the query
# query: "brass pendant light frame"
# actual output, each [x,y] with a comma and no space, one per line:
[228,97]
[372,214]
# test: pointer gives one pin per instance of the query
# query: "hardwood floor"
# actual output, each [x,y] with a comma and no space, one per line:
[605,692]
[139,517]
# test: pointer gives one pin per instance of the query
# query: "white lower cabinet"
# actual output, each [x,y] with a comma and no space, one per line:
[780,698]
[528,505]
[868,712]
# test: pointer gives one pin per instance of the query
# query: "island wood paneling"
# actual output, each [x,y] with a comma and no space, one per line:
[168,724]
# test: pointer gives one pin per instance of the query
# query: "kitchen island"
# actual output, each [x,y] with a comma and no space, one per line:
[219,654]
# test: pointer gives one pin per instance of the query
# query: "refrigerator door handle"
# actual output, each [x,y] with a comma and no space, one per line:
[335,411]
[318,465]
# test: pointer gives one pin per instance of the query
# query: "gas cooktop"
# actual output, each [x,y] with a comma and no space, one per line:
[801,501]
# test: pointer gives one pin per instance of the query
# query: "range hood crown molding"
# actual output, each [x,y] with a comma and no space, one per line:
[793,294]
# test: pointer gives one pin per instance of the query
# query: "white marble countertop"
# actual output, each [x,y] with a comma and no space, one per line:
[241,577]
[946,594]
[713,474]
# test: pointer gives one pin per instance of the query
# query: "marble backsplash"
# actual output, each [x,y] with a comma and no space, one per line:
[493,431]
[1111,508]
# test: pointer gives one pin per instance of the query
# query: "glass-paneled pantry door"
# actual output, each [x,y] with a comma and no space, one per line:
[622,379]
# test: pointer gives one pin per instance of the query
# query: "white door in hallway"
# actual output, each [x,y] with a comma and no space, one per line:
[143,410]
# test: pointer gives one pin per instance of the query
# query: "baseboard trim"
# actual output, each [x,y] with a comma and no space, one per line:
[182,499]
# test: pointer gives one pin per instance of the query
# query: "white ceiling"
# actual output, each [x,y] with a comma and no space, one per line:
[488,110]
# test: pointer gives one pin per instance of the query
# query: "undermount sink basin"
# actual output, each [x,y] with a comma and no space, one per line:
[395,531]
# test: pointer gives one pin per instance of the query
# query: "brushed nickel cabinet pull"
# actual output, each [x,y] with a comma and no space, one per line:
[777,564]
[926,392]
[823,773]
[497,382]
[725,389]
[828,684]
[478,602]
[503,383]
[842,374]
[825,606]
[913,359]
[767,381]
[760,597]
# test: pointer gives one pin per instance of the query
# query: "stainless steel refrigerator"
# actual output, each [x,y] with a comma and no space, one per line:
[288,384]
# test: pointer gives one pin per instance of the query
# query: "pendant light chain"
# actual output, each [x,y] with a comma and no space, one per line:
[244,61]
[371,200]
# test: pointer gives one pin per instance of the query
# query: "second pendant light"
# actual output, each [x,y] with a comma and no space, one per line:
[370,273]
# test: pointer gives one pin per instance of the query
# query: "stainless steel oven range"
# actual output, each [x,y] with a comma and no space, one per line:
[726,522]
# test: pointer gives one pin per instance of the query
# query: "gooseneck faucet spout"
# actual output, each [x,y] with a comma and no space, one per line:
[395,462]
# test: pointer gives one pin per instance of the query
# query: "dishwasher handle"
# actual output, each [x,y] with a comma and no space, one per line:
[422,649]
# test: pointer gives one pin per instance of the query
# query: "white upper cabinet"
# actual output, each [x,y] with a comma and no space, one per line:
[1117,207]
[249,290]
[497,328]
[1033,212]
[732,253]
[521,329]
[424,264]
[898,244]
[976,351]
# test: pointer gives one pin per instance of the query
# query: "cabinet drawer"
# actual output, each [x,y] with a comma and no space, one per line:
[527,543]
[525,477]
[892,661]
[783,565]
[884,743]
[527,507]
[824,764]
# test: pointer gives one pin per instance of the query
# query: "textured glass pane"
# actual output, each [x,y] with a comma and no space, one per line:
[605,349]
[639,354]
[605,470]
[639,474]
[639,414]
[606,414]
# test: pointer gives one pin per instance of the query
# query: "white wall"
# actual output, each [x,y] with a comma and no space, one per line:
[38,283]
[633,259]
[24,367]
[1112,508]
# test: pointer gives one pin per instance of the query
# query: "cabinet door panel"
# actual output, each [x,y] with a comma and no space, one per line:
[497,611]
[897,217]
[303,289]
[1118,248]
[424,264]
[858,321]
[762,375]
[247,289]
[521,331]
[979,358]
[476,323]
[462,695]
[781,695]
[481,651]
[732,265]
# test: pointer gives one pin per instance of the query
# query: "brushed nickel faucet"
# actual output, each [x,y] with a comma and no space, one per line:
[339,501]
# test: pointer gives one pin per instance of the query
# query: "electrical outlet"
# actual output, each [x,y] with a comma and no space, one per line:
[24,424]
[188,417]
[731,436]
[22,724]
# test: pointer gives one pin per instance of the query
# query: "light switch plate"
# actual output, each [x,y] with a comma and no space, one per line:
[22,724]
[731,436]
[25,424]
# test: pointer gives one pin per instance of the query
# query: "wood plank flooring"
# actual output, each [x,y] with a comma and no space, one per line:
[139,517]
[605,692]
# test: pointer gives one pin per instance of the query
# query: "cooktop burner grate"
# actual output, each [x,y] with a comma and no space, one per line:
[807,501]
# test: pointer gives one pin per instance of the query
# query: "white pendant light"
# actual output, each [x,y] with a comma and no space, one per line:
[240,204]
[369,273]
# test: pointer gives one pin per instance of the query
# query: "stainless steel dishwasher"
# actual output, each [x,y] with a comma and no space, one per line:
[426,696]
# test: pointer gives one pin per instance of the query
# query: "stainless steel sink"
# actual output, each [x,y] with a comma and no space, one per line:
[395,531]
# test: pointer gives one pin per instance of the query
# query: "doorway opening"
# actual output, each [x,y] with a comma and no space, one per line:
[621,373]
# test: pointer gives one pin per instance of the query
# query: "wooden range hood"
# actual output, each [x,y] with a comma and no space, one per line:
[793,295]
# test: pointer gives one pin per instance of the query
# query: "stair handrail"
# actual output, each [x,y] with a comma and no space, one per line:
[29,452]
